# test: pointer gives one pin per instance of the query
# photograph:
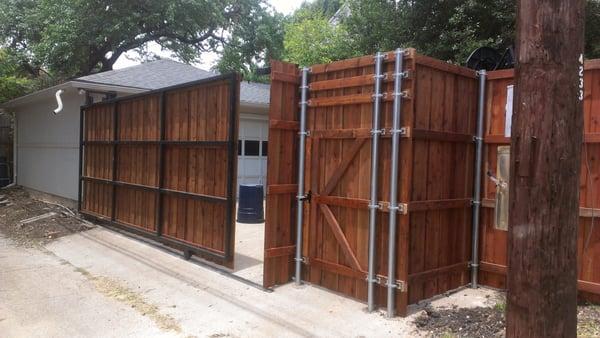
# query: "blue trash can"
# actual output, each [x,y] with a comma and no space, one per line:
[250,205]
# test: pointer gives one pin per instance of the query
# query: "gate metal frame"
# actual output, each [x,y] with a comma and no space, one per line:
[231,144]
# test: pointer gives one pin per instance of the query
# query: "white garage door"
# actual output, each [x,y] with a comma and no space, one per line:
[252,151]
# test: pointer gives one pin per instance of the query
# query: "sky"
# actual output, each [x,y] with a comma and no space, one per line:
[207,60]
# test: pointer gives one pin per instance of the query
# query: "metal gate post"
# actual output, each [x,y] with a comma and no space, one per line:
[373,205]
[301,195]
[397,114]
[477,179]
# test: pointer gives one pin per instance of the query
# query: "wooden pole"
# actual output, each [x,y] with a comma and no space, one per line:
[544,175]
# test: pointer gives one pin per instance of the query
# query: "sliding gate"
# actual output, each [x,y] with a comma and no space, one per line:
[163,164]
[435,177]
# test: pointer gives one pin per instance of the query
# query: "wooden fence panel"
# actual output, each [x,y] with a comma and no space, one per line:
[163,164]
[493,242]
[436,156]
[282,184]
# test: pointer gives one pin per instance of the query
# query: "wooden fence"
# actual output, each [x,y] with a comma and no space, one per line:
[493,241]
[163,164]
[436,156]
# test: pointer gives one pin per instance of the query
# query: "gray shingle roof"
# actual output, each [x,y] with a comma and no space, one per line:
[166,73]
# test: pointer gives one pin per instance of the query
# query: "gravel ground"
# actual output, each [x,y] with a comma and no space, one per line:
[17,205]
[489,321]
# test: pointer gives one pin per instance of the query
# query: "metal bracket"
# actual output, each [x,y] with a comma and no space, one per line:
[473,265]
[398,284]
[473,202]
[380,55]
[376,280]
[378,131]
[375,206]
[477,139]
[375,96]
[305,197]
[402,94]
[403,74]
[304,102]
[402,131]
[304,87]
[304,260]
[305,133]
[481,72]
[401,208]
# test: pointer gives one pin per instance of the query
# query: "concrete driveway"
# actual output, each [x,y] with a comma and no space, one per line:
[100,283]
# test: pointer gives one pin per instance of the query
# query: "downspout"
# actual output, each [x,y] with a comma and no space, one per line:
[477,179]
[58,101]
[374,203]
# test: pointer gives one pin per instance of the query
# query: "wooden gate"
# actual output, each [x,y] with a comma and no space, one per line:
[163,164]
[436,174]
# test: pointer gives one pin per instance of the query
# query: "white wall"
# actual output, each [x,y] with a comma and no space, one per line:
[48,145]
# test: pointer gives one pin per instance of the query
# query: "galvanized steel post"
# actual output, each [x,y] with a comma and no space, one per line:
[301,156]
[477,179]
[397,114]
[373,205]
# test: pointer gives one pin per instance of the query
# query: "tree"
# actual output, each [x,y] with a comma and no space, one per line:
[544,174]
[13,80]
[254,45]
[78,37]
[314,40]
[446,29]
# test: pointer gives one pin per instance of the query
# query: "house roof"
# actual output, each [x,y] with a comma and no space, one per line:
[149,76]
[166,73]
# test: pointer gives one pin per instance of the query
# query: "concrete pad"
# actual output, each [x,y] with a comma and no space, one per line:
[249,251]
[100,283]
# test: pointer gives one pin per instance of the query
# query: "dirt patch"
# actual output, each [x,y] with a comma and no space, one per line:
[462,322]
[588,320]
[117,291]
[490,321]
[28,221]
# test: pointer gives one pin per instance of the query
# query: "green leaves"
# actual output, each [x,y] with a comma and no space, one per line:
[78,37]
[314,40]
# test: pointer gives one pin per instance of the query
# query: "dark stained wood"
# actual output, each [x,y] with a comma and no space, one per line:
[435,176]
[493,242]
[194,194]
[544,184]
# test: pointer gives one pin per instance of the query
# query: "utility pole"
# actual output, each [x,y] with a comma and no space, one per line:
[546,145]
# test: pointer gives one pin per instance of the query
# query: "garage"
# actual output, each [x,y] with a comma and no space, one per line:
[252,149]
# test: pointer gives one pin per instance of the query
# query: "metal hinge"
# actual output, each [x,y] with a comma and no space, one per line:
[305,197]
[398,284]
[403,131]
[304,260]
[401,208]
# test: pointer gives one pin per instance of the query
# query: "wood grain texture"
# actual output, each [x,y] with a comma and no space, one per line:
[194,194]
[493,242]
[435,177]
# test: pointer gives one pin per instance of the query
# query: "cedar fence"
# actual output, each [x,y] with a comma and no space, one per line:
[494,241]
[163,164]
[434,239]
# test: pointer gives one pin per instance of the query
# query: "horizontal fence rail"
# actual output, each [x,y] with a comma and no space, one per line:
[162,164]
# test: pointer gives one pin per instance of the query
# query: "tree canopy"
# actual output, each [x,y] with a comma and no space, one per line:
[78,37]
[67,38]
